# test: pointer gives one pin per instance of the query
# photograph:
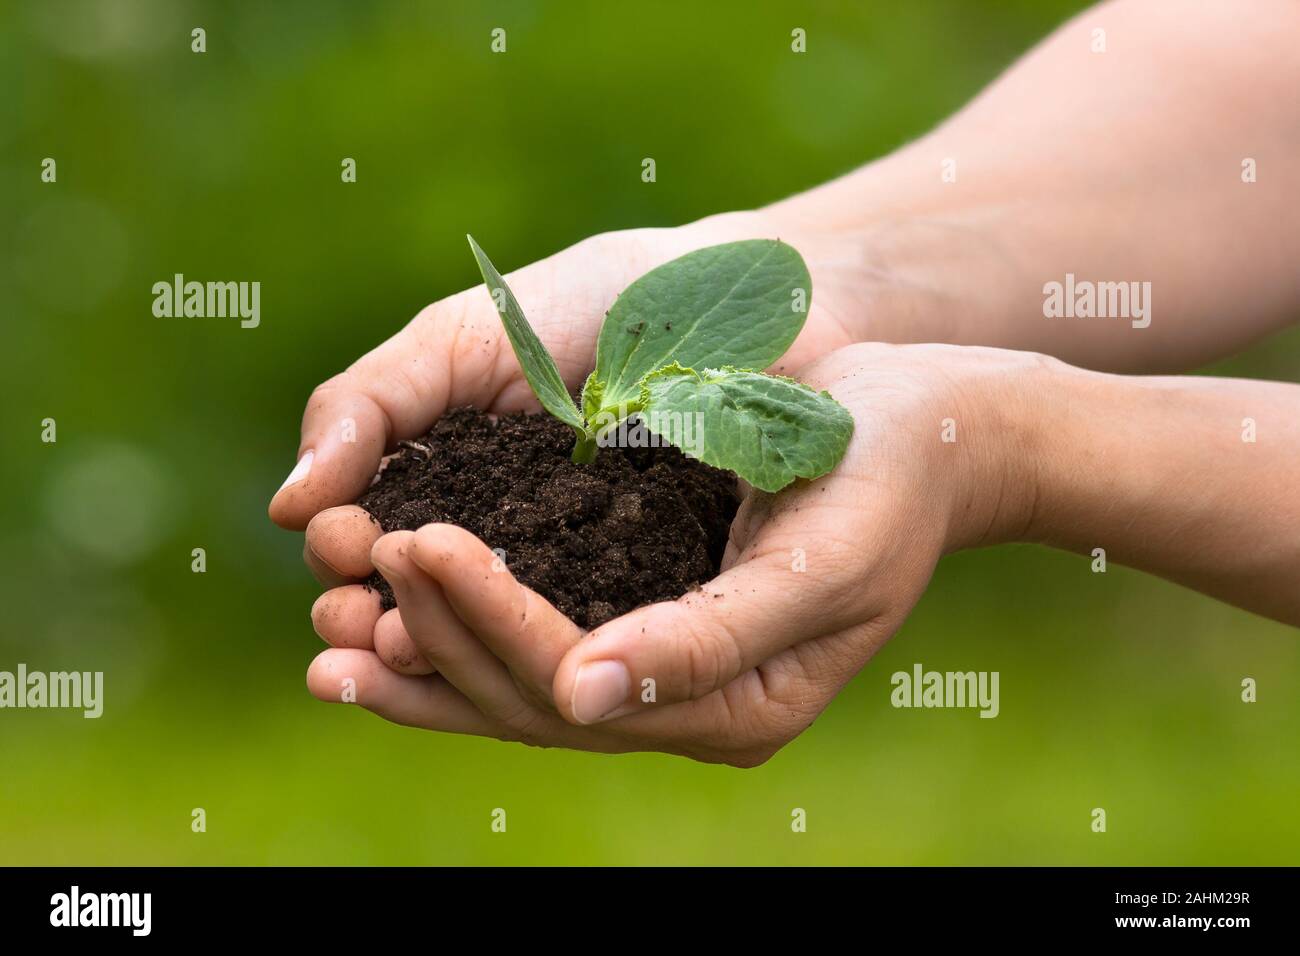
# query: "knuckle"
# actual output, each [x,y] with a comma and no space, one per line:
[773,715]
[322,394]
[523,725]
[353,394]
[540,697]
[705,657]
[388,387]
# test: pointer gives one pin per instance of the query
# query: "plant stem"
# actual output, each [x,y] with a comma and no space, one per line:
[584,452]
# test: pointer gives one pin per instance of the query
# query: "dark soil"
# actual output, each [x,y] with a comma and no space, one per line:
[636,526]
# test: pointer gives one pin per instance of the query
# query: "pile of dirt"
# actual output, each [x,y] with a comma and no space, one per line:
[636,526]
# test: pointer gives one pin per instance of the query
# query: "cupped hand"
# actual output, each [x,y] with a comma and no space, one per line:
[455,353]
[815,579]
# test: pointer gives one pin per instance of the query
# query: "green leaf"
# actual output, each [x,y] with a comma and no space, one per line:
[768,430]
[737,304]
[539,368]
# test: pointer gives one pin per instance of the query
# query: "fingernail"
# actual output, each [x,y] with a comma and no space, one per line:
[599,688]
[299,472]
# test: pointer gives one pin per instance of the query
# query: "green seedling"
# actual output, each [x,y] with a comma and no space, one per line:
[682,345]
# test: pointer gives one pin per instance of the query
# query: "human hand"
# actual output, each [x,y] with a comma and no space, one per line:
[455,353]
[814,581]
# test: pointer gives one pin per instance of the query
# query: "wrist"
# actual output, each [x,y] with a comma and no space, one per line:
[1005,437]
[922,260]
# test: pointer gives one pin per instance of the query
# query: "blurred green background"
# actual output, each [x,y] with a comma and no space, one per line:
[1117,690]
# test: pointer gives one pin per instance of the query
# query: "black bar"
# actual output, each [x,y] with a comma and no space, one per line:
[365,906]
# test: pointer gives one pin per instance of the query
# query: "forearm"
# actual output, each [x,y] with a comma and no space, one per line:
[1116,166]
[1193,479]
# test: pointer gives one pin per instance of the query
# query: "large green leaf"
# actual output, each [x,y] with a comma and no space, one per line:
[537,364]
[768,430]
[738,304]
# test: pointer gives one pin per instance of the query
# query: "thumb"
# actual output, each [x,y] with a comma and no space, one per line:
[396,390]
[684,649]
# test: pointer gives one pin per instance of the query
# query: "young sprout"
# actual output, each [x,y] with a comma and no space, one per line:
[681,349]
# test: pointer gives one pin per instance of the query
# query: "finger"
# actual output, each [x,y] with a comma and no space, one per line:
[442,637]
[395,647]
[345,432]
[685,649]
[520,626]
[432,703]
[447,353]
[357,676]
[325,576]
[346,616]
[338,544]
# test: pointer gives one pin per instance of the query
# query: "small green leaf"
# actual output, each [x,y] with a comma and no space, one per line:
[737,304]
[538,366]
[768,430]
